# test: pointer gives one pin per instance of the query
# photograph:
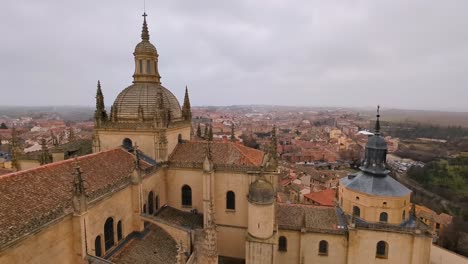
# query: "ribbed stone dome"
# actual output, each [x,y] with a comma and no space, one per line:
[145,95]
[145,47]
[261,192]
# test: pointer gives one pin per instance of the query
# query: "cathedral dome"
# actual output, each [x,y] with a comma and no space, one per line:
[261,192]
[144,101]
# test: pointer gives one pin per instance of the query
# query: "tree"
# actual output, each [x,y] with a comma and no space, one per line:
[199,131]
[3,126]
[210,133]
[205,135]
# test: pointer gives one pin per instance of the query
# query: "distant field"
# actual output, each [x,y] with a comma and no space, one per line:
[422,116]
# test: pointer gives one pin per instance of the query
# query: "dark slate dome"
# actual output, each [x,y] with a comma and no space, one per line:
[376,142]
[147,97]
[261,192]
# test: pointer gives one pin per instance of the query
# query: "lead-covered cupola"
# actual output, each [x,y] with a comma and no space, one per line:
[376,152]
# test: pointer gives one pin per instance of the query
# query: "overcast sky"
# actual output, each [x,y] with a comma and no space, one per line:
[398,53]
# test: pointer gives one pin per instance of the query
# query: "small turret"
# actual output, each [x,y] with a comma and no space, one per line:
[79,190]
[186,109]
[100,114]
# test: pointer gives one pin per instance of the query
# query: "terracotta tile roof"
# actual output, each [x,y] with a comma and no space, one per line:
[223,153]
[309,217]
[4,171]
[324,198]
[32,198]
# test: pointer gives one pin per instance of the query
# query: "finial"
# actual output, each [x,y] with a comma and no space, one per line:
[99,84]
[377,122]
[144,31]
[78,181]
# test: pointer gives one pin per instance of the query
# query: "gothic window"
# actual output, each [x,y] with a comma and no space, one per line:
[148,67]
[151,203]
[231,200]
[382,250]
[186,196]
[156,201]
[323,247]
[383,217]
[109,233]
[97,246]
[119,231]
[127,143]
[356,211]
[282,244]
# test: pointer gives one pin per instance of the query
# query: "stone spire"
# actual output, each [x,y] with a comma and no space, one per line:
[100,114]
[186,109]
[181,257]
[144,31]
[208,162]
[233,136]
[210,245]
[45,156]
[79,190]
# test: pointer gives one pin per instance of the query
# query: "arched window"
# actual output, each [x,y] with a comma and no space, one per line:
[186,196]
[144,208]
[403,216]
[141,66]
[231,200]
[282,244]
[97,246]
[127,143]
[119,231]
[341,201]
[151,203]
[109,233]
[383,217]
[179,138]
[382,250]
[156,202]
[148,67]
[323,247]
[356,211]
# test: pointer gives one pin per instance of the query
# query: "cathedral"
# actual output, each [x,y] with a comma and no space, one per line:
[149,193]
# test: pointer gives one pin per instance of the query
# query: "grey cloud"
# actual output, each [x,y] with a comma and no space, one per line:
[402,54]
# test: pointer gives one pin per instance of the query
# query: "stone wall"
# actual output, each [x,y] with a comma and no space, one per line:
[442,256]
[51,244]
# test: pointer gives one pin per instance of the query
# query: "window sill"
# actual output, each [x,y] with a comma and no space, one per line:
[323,254]
[230,210]
[381,257]
[186,206]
